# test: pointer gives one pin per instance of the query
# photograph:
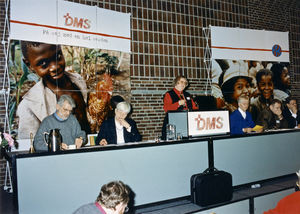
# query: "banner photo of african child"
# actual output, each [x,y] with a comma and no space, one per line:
[40,73]
[261,81]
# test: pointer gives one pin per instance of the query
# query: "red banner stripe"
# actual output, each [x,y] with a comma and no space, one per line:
[246,49]
[66,29]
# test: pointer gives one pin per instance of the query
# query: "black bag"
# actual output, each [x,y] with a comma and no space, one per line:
[211,187]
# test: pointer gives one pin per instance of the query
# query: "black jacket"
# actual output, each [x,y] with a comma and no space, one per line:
[291,120]
[108,131]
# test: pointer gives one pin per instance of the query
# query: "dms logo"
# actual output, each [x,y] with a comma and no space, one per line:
[209,123]
[76,22]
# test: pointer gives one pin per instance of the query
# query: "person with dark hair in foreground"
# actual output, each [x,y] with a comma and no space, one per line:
[112,199]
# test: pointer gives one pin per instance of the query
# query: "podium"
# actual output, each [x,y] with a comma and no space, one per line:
[200,123]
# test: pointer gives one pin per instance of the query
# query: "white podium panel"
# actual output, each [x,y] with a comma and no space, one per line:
[202,123]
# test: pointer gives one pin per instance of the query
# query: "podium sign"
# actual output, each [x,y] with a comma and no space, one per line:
[202,123]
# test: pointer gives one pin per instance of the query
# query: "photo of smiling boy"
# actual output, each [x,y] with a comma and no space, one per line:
[48,62]
[265,85]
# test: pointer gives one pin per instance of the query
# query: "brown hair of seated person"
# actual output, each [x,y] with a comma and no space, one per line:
[113,194]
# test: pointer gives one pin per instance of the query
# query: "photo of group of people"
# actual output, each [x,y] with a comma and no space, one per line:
[40,73]
[260,81]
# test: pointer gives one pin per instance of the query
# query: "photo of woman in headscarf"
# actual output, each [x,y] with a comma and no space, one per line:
[235,82]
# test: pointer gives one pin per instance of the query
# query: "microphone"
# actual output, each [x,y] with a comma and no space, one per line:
[183,98]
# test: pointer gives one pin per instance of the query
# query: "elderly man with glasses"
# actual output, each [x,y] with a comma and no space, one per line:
[63,120]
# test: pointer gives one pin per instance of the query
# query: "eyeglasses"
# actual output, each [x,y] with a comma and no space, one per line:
[67,110]
[126,209]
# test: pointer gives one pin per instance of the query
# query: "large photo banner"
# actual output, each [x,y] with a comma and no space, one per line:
[50,56]
[252,63]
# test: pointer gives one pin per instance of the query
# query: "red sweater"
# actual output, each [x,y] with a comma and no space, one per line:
[170,106]
[288,205]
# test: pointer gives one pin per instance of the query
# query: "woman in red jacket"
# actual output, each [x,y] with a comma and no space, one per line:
[177,99]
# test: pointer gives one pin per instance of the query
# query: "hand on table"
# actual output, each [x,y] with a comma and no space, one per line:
[78,142]
[64,146]
[247,130]
[103,142]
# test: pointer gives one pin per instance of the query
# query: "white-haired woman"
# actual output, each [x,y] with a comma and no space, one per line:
[119,129]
